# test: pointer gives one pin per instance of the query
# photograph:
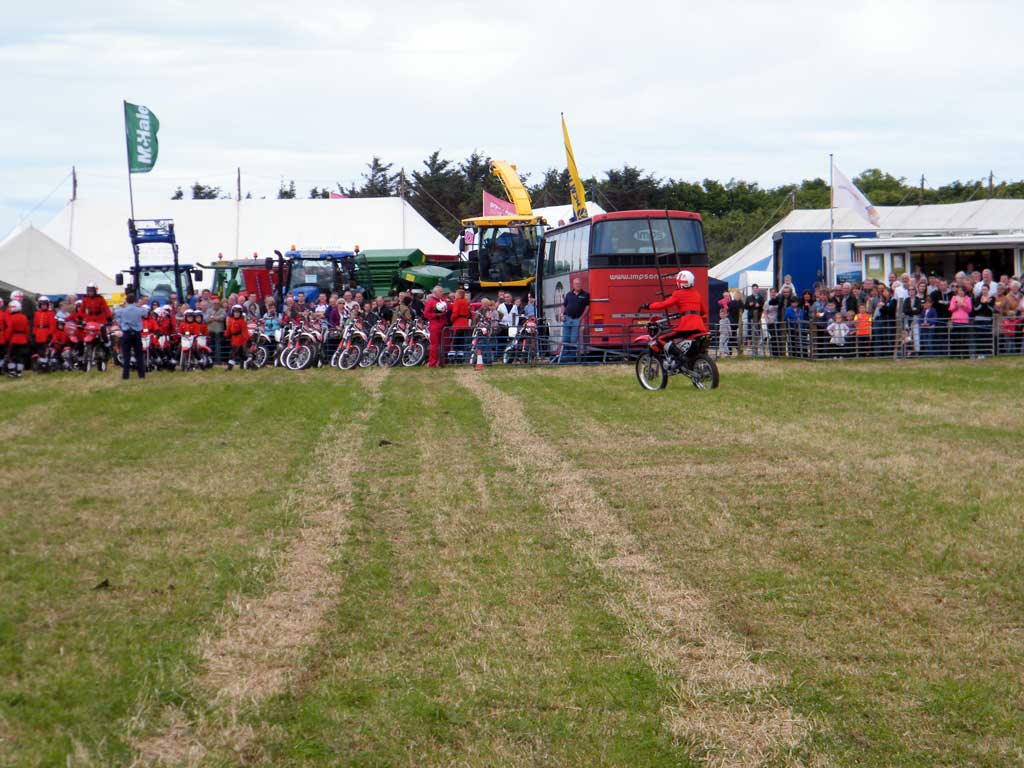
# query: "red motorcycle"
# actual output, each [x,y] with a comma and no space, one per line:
[689,358]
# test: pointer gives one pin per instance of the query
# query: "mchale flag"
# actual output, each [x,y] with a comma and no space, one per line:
[140,128]
[495,206]
[846,195]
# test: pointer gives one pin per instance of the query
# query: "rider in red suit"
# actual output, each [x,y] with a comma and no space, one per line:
[436,310]
[687,301]
[15,342]
[94,306]
[44,323]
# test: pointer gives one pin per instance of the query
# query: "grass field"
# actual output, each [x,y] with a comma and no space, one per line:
[813,565]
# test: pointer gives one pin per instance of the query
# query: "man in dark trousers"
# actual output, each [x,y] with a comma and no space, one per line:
[754,306]
[574,307]
[130,318]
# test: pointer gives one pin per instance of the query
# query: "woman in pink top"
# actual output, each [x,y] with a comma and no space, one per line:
[959,317]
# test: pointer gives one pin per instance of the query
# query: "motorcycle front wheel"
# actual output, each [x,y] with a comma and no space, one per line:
[705,373]
[650,372]
[390,356]
[350,357]
[413,354]
[369,357]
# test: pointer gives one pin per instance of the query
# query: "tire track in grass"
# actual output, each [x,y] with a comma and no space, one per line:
[724,708]
[256,649]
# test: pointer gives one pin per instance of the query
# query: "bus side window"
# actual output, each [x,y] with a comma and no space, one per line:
[550,268]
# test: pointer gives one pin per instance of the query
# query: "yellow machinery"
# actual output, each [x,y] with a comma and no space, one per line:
[505,249]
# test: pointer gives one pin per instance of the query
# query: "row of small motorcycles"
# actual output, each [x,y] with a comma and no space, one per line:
[401,342]
[89,349]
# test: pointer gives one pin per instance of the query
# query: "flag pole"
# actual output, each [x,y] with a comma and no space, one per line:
[128,157]
[831,223]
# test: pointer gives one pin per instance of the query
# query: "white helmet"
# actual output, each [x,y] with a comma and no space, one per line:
[41,299]
[239,307]
[17,296]
[684,278]
[14,306]
[89,285]
[441,306]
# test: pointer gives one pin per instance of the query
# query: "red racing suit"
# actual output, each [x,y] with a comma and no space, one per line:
[44,323]
[689,303]
[437,322]
[95,309]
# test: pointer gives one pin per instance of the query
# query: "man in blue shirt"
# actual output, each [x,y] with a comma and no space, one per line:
[574,307]
[130,317]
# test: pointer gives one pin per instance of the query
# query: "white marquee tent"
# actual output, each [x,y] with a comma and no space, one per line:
[36,263]
[98,230]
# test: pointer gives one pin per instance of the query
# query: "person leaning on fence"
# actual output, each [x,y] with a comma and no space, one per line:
[772,321]
[574,308]
[724,332]
[984,315]
[754,305]
[960,317]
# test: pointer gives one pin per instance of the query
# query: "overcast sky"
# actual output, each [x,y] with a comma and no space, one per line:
[760,91]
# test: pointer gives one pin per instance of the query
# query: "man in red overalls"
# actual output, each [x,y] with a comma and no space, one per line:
[436,310]
[688,302]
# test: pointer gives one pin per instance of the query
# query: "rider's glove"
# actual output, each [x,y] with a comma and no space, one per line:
[644,307]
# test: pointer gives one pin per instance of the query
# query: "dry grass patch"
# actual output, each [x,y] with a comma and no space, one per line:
[673,624]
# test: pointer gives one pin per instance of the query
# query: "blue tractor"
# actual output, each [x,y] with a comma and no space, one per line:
[158,281]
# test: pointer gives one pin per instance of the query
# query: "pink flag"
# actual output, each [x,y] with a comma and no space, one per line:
[495,206]
[338,196]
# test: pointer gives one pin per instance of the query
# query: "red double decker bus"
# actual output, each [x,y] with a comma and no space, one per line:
[620,257]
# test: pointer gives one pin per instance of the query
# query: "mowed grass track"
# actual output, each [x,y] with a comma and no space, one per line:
[857,528]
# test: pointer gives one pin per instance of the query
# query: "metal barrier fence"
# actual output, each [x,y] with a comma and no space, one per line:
[900,338]
[568,344]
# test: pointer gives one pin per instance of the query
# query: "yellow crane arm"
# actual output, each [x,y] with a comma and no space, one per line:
[514,189]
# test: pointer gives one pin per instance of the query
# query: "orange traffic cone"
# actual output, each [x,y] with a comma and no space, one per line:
[479,360]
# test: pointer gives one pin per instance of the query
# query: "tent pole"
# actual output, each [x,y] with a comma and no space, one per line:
[831,267]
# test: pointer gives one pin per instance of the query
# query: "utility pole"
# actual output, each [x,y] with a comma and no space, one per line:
[74,184]
[792,200]
[991,183]
[920,194]
[238,182]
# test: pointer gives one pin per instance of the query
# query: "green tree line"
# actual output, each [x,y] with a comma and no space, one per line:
[734,212]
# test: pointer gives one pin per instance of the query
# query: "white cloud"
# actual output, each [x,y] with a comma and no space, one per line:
[760,91]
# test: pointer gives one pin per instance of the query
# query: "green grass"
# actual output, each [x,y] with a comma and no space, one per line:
[857,527]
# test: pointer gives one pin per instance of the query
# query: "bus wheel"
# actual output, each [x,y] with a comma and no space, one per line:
[650,372]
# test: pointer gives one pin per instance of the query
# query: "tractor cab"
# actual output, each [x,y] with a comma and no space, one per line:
[158,281]
[316,272]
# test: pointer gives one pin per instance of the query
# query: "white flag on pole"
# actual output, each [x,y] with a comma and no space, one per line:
[846,195]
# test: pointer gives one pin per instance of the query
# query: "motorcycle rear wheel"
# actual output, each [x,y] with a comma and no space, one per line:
[302,358]
[650,372]
[705,372]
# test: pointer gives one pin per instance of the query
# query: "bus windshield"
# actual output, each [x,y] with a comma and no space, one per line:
[628,237]
[508,254]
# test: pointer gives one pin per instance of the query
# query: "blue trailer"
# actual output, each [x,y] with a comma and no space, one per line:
[799,254]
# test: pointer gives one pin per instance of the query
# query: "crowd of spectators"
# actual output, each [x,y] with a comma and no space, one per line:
[907,315]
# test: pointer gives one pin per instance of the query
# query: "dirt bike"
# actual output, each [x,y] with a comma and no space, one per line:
[522,347]
[415,351]
[395,344]
[48,359]
[350,349]
[378,339]
[479,341]
[656,364]
[186,359]
[94,348]
[263,347]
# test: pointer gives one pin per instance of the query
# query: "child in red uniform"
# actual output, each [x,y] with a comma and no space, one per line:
[44,323]
[236,330]
[16,337]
